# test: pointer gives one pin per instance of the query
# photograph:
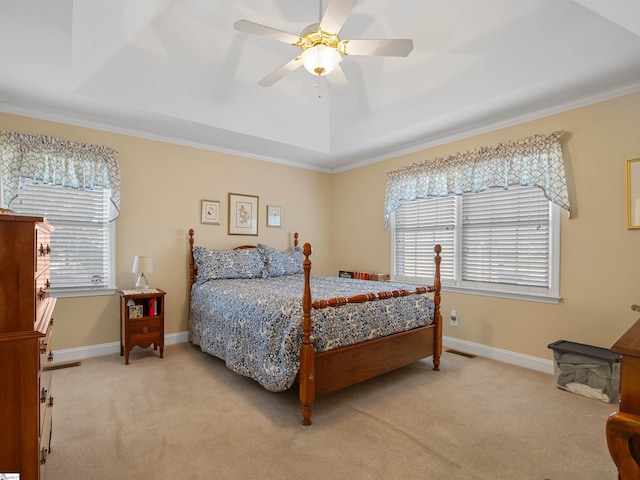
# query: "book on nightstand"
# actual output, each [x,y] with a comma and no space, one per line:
[152,305]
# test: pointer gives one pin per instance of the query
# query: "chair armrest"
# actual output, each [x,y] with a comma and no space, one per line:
[620,428]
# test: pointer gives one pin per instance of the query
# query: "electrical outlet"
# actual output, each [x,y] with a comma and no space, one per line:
[453,319]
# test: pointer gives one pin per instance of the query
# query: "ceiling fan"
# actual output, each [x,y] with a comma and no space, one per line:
[322,49]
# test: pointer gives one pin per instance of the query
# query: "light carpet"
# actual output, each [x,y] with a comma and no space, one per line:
[187,416]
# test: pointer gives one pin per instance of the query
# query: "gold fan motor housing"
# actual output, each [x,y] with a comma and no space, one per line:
[320,37]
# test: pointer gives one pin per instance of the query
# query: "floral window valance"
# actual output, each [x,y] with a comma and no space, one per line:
[58,162]
[532,161]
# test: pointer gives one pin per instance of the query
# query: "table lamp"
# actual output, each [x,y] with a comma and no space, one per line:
[141,265]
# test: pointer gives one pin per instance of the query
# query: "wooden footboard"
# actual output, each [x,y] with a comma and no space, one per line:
[325,372]
[343,367]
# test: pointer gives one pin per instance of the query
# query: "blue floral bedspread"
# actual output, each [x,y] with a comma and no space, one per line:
[255,325]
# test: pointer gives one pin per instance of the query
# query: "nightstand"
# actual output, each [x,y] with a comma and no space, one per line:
[141,320]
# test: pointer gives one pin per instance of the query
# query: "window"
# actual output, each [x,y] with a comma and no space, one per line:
[76,187]
[83,243]
[498,242]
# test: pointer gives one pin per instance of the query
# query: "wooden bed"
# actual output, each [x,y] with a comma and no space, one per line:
[325,372]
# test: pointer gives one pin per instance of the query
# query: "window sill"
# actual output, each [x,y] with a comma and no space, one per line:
[77,292]
[528,297]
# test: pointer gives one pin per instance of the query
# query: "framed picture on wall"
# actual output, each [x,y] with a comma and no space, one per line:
[633,193]
[274,216]
[210,212]
[243,214]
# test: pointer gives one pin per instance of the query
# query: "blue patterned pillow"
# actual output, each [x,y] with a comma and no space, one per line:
[213,264]
[281,263]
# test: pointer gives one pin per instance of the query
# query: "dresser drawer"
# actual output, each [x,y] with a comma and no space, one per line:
[42,293]
[45,397]
[43,249]
[145,329]
[45,441]
[46,352]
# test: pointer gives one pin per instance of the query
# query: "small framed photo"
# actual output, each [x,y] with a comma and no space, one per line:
[274,216]
[210,212]
[633,193]
[243,214]
[135,311]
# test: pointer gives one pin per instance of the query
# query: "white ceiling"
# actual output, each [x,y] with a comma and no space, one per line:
[176,70]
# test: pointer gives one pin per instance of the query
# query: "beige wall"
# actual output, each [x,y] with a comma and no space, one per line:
[600,258]
[162,185]
[342,216]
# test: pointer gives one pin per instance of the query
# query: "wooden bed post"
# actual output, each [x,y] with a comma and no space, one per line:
[192,271]
[437,316]
[307,352]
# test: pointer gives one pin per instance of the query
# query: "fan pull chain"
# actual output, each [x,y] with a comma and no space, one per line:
[318,89]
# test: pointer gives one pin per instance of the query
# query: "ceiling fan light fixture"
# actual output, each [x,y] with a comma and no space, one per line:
[322,49]
[320,60]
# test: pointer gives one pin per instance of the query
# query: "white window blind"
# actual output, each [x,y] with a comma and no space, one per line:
[497,242]
[505,237]
[82,243]
[419,226]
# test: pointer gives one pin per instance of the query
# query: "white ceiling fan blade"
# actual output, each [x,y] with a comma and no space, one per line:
[336,14]
[264,31]
[381,47]
[279,73]
[338,80]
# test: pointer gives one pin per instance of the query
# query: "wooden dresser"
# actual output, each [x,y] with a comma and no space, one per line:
[26,323]
[623,427]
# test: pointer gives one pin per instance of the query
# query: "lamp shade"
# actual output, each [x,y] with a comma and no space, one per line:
[320,59]
[142,265]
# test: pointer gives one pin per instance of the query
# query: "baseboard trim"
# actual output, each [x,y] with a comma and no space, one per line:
[505,356]
[81,353]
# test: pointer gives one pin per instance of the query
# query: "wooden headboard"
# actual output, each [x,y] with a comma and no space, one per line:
[193,270]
